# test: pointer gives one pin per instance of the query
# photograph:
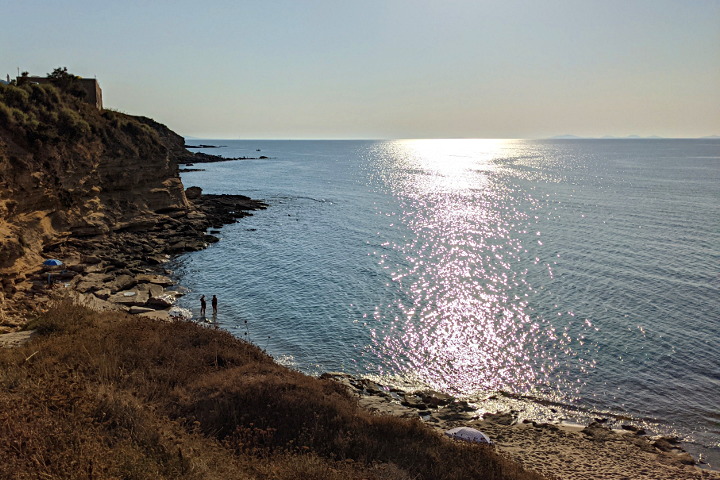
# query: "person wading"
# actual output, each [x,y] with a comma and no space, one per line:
[203,305]
[214,305]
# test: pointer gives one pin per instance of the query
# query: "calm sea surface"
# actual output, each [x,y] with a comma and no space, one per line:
[566,279]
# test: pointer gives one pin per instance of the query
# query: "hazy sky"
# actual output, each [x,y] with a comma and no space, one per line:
[385,69]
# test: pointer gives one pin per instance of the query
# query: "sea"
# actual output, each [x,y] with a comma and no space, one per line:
[568,280]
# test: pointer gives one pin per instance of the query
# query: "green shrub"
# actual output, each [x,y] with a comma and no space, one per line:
[32,124]
[72,124]
[16,97]
[19,117]
[45,94]
[6,116]
[52,117]
[137,129]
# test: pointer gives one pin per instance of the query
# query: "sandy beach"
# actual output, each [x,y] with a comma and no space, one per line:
[562,452]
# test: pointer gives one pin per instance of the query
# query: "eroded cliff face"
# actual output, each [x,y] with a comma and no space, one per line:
[69,170]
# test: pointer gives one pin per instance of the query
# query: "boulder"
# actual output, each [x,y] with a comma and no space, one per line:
[435,399]
[90,259]
[633,428]
[665,444]
[189,245]
[92,282]
[103,293]
[413,401]
[161,301]
[506,418]
[371,387]
[157,259]
[122,282]
[449,415]
[118,263]
[87,287]
[193,193]
[152,290]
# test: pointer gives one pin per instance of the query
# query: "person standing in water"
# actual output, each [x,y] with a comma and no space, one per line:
[203,305]
[214,305]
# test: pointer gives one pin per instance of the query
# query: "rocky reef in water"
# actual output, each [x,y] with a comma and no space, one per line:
[98,189]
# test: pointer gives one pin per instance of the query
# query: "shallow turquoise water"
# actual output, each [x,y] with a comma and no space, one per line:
[581,275]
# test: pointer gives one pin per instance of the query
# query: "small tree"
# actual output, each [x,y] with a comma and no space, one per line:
[66,81]
[61,73]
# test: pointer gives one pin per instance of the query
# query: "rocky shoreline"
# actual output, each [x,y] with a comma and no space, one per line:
[563,451]
[199,157]
[126,270]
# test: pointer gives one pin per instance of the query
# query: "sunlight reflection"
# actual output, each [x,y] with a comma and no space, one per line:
[465,325]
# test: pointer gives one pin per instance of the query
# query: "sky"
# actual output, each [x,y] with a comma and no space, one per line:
[337,69]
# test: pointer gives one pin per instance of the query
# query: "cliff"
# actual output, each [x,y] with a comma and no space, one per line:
[68,171]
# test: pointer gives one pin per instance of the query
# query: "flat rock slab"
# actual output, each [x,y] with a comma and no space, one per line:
[121,282]
[91,301]
[15,339]
[153,290]
[161,280]
[130,298]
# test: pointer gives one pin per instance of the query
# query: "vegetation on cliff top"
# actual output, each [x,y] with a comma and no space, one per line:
[38,117]
[110,396]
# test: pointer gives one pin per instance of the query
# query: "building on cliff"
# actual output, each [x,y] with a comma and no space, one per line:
[89,86]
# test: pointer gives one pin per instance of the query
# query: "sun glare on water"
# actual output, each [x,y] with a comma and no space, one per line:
[464,324]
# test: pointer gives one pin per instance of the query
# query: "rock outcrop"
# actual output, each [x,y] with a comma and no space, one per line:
[101,187]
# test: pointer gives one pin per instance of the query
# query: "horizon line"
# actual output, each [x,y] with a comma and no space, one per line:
[555,137]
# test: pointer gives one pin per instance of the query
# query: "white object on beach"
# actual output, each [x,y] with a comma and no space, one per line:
[468,434]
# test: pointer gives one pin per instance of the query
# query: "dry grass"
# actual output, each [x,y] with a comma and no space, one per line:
[109,396]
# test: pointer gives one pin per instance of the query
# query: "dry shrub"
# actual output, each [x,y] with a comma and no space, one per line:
[62,317]
[114,396]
